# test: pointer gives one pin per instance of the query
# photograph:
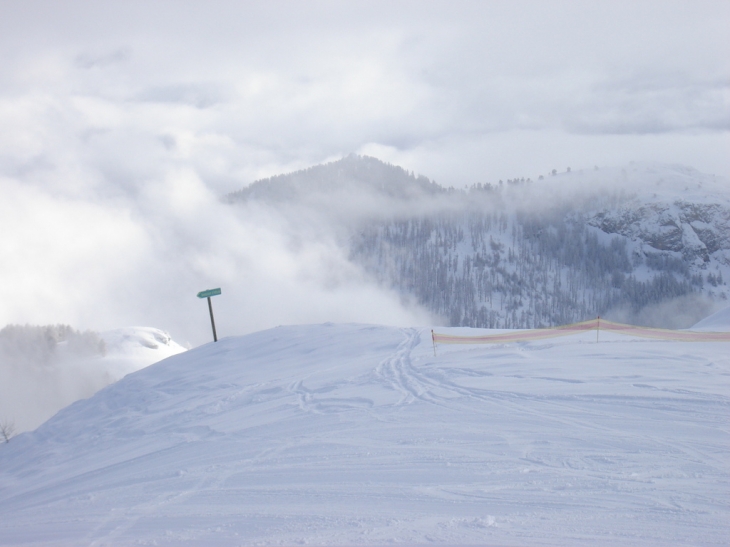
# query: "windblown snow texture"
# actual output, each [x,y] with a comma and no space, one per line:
[356,434]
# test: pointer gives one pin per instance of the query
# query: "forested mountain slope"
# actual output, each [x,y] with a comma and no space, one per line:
[646,243]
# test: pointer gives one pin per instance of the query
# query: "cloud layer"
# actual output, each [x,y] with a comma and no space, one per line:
[123,124]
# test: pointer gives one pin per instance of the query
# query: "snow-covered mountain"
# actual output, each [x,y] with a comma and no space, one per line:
[361,435]
[45,368]
[352,174]
[646,243]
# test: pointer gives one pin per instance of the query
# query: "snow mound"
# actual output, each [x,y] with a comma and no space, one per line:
[357,434]
[717,321]
[132,348]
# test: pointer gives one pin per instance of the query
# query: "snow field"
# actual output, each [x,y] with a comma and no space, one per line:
[357,434]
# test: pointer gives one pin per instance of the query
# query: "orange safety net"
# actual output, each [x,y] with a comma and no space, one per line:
[597,324]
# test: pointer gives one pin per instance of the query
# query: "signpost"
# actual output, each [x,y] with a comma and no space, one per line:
[207,294]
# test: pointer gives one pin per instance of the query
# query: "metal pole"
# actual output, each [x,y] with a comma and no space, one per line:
[212,321]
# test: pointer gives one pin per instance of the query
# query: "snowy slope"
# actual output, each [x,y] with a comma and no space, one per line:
[132,348]
[719,321]
[354,434]
[34,389]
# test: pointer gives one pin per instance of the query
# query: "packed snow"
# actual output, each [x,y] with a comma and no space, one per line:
[359,434]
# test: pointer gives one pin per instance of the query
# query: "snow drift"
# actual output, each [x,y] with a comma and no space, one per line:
[356,434]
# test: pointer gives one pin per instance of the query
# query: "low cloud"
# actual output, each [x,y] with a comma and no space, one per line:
[112,261]
[119,137]
[678,313]
[43,369]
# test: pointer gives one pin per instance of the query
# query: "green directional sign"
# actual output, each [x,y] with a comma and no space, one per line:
[209,293]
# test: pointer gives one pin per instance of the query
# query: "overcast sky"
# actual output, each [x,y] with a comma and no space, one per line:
[455,90]
[121,119]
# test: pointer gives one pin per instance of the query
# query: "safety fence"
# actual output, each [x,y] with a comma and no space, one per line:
[597,325]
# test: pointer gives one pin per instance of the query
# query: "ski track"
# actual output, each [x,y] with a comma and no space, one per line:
[397,370]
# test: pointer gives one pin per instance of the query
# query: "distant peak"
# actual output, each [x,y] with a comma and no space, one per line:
[352,173]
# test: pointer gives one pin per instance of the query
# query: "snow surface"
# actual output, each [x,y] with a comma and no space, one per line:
[358,434]
[719,321]
[130,349]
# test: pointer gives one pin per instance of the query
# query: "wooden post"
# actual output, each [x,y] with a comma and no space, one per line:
[212,321]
